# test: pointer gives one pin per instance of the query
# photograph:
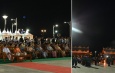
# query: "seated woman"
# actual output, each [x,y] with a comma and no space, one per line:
[67,49]
[17,49]
[11,47]
[50,50]
[6,52]
[41,51]
[18,52]
[13,44]
[30,50]
[22,47]
[61,53]
[57,47]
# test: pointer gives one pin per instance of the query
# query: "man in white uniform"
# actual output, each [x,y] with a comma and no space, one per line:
[7,51]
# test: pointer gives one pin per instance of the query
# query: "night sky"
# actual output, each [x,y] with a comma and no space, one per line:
[37,14]
[96,19]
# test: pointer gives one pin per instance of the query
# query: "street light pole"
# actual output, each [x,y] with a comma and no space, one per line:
[69,27]
[5,25]
[53,30]
[95,53]
[16,25]
[12,27]
[5,17]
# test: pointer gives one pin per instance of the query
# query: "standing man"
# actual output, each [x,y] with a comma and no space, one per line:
[74,61]
[112,60]
[21,40]
[35,40]
[108,61]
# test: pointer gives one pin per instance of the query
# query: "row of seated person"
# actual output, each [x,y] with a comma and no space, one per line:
[14,53]
[47,50]
[52,50]
[40,51]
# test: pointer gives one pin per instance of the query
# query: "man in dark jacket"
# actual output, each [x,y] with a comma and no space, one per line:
[108,61]
[21,40]
[74,61]
[112,60]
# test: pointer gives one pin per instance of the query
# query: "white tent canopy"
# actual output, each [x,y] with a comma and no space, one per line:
[3,35]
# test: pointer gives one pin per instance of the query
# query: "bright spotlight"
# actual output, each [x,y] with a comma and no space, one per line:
[56,31]
[65,22]
[56,25]
[76,30]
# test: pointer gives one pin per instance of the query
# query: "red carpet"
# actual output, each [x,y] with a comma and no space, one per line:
[44,67]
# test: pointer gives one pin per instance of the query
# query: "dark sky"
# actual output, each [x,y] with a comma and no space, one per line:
[39,14]
[96,19]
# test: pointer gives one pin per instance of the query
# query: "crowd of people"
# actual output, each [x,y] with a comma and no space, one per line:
[87,61]
[37,47]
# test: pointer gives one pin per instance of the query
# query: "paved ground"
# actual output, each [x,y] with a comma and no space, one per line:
[94,69]
[64,63]
[6,68]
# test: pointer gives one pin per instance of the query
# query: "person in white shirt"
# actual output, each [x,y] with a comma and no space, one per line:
[7,51]
[67,47]
[49,48]
[16,39]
